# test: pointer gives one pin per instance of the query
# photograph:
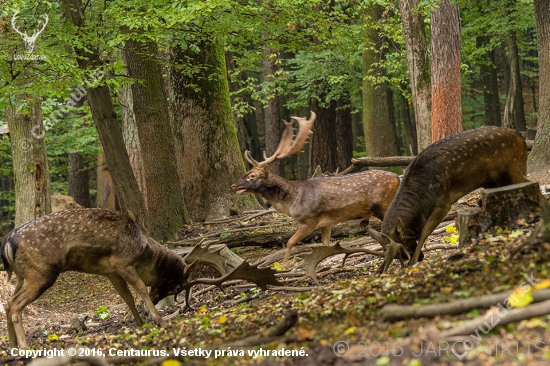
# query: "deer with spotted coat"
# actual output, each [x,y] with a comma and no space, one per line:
[92,241]
[443,172]
[318,202]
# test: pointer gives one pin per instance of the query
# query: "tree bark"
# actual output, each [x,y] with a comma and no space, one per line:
[131,138]
[108,127]
[418,62]
[514,114]
[272,111]
[344,134]
[489,81]
[165,202]
[78,180]
[446,97]
[30,163]
[378,121]
[540,155]
[323,146]
[209,160]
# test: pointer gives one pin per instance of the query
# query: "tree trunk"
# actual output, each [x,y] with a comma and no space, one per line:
[323,146]
[78,180]
[30,163]
[209,160]
[489,81]
[378,121]
[165,202]
[344,135]
[108,128]
[419,69]
[272,110]
[514,115]
[540,155]
[131,138]
[446,98]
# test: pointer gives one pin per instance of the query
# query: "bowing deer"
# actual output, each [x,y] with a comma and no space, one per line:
[446,170]
[93,241]
[317,202]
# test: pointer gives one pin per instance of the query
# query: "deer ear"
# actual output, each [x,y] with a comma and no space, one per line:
[381,238]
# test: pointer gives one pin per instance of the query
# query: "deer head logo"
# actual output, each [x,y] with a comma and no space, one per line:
[29,40]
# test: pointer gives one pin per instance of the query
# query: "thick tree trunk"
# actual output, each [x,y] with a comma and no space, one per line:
[131,138]
[446,97]
[30,163]
[165,202]
[344,135]
[323,146]
[108,128]
[514,114]
[540,155]
[209,160]
[78,180]
[419,69]
[378,121]
[272,110]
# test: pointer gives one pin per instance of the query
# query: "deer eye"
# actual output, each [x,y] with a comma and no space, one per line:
[252,176]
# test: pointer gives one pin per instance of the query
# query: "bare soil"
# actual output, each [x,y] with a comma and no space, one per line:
[339,321]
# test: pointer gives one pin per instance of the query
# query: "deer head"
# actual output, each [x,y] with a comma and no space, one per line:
[288,146]
[29,40]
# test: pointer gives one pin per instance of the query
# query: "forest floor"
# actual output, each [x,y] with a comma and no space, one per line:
[339,321]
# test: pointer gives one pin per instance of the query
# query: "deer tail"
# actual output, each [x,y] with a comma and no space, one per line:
[7,252]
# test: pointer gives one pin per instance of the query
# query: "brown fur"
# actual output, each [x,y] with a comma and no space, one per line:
[442,173]
[322,202]
[93,241]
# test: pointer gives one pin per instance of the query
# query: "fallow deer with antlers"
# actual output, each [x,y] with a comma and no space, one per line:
[318,202]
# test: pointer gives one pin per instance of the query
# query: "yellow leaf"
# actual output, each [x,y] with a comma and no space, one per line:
[203,310]
[451,229]
[350,330]
[170,363]
[52,337]
[522,296]
[542,285]
[323,342]
[533,323]
[222,319]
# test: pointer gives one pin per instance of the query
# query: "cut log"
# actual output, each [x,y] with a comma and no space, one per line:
[502,206]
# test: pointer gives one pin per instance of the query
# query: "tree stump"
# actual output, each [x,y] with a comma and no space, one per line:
[502,206]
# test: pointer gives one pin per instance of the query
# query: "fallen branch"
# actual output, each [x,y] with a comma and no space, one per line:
[65,360]
[392,312]
[494,314]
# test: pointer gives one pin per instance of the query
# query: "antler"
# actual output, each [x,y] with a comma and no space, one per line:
[288,145]
[212,257]
[318,254]
[261,276]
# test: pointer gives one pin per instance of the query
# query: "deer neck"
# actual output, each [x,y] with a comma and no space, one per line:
[279,192]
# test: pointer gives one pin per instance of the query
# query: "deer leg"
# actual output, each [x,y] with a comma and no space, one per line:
[25,292]
[434,219]
[325,235]
[121,286]
[11,330]
[303,231]
[129,274]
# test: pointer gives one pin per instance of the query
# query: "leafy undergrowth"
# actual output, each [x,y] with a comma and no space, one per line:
[339,321]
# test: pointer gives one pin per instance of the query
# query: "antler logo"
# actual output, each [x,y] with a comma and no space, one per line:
[29,40]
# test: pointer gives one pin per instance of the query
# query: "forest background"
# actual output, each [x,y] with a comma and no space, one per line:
[147,106]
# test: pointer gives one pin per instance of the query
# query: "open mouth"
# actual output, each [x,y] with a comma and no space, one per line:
[240,190]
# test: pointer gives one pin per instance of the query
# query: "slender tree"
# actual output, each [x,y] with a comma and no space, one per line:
[446,97]
[378,118]
[108,127]
[419,69]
